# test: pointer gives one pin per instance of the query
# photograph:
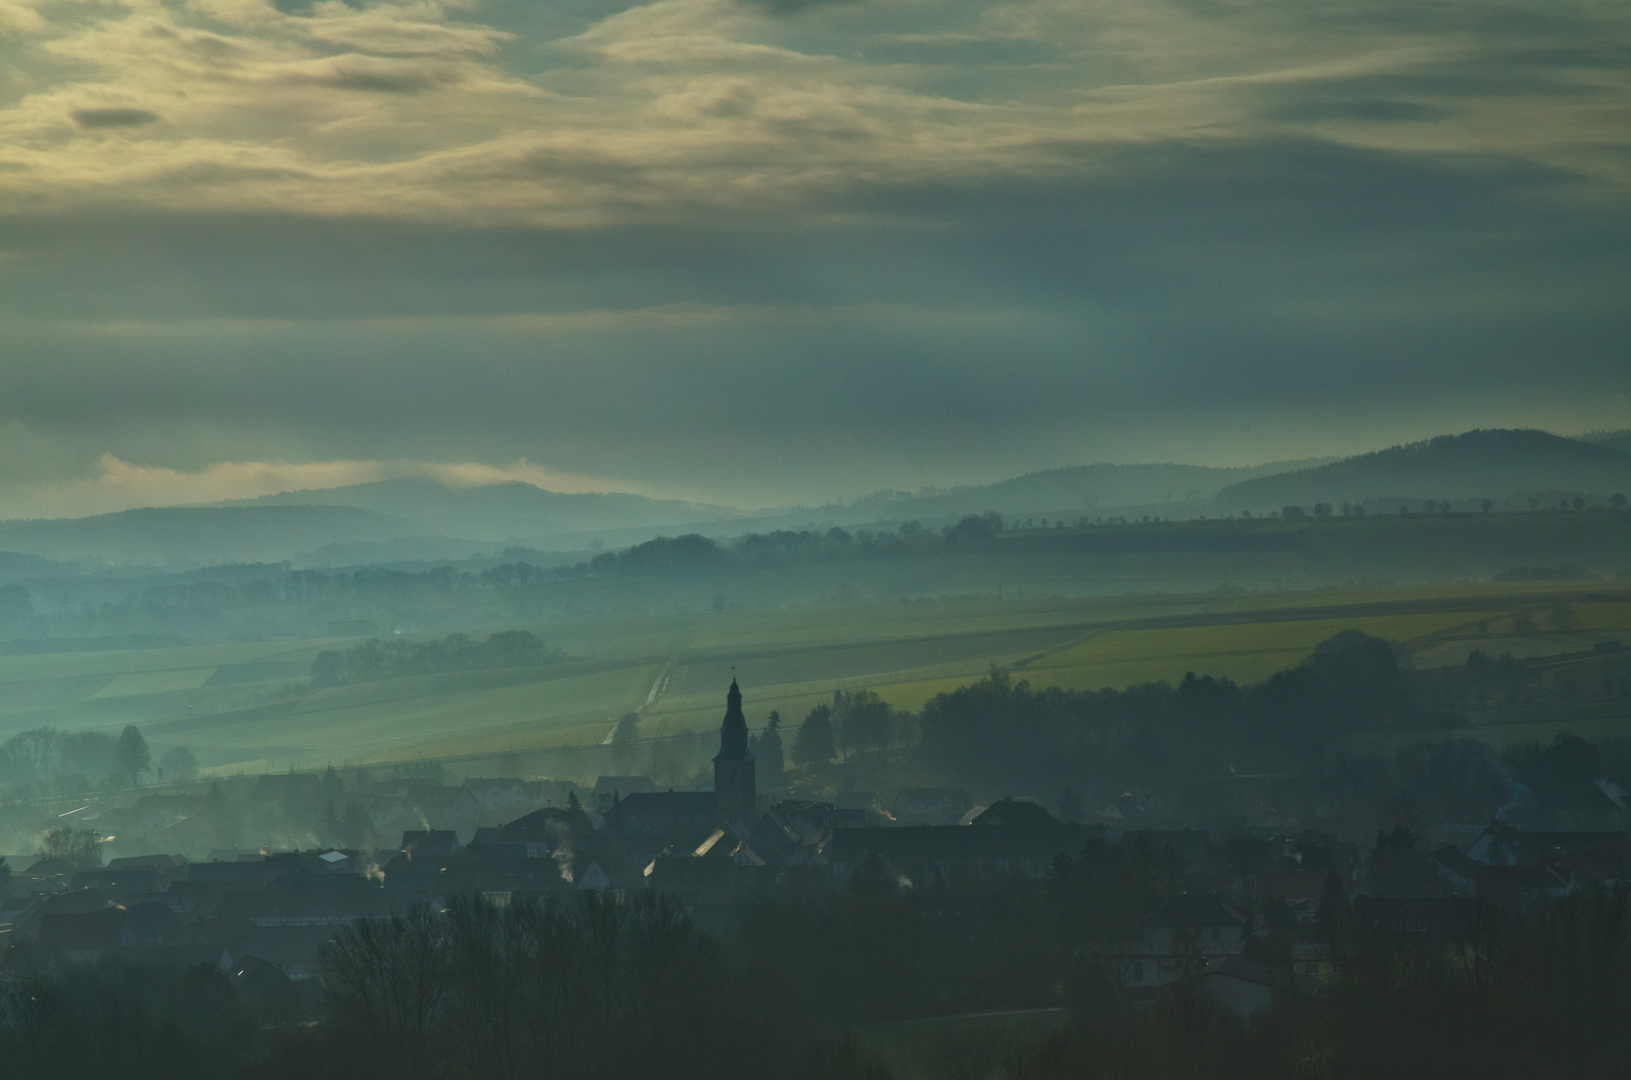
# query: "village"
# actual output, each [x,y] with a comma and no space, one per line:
[1254,916]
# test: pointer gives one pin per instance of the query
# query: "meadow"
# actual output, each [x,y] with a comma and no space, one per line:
[248,707]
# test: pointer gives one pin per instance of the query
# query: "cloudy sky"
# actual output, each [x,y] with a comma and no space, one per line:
[765,251]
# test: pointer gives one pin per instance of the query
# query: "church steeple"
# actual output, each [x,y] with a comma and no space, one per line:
[733,733]
[735,794]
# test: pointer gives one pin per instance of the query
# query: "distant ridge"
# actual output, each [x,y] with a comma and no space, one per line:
[1079,488]
[512,510]
[156,535]
[1614,440]
[1476,464]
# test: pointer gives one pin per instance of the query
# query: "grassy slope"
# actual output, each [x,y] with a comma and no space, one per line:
[247,706]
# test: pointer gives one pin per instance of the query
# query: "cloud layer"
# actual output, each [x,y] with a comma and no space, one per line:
[760,252]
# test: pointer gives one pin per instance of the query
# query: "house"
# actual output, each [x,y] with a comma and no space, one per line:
[792,833]
[1189,851]
[609,789]
[81,937]
[1250,989]
[504,799]
[1505,845]
[278,793]
[1200,918]
[1315,960]
[1178,938]
[420,805]
[960,859]
[258,979]
[593,879]
[299,903]
[25,924]
[556,793]
[644,825]
[935,806]
[1432,922]
[543,831]
[1015,813]
[430,843]
[500,798]
[123,881]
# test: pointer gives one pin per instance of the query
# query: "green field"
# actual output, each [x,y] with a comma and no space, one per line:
[248,706]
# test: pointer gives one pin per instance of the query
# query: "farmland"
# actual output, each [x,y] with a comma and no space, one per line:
[249,707]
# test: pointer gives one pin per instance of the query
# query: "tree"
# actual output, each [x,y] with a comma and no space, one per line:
[1617,501]
[813,745]
[82,846]
[390,976]
[15,602]
[1487,505]
[1396,869]
[863,719]
[1322,509]
[769,750]
[179,765]
[1563,617]
[622,739]
[133,756]
[975,530]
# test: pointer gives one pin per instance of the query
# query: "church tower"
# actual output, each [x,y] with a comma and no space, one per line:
[735,797]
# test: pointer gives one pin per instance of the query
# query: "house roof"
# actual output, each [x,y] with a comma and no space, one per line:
[624,785]
[166,861]
[663,815]
[1277,978]
[955,843]
[1014,812]
[541,826]
[146,879]
[430,841]
[934,794]
[82,929]
[1192,847]
[1501,843]
[1194,909]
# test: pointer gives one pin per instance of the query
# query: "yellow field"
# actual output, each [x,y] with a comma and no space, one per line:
[154,682]
[248,706]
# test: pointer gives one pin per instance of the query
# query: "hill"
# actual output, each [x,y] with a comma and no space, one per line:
[506,511]
[158,535]
[1614,440]
[1477,464]
[1077,489]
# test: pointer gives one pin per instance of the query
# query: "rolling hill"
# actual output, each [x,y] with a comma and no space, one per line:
[505,511]
[1079,489]
[158,535]
[1477,464]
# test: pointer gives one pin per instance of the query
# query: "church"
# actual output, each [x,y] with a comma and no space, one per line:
[735,792]
[684,821]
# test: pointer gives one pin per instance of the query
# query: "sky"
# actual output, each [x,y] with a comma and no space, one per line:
[762,252]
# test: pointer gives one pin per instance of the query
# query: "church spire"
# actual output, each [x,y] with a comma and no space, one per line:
[733,733]
[735,794]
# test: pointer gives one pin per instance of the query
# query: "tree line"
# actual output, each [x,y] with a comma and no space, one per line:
[45,761]
[393,657]
[592,986]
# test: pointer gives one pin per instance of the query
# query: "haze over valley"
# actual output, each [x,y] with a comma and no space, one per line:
[815,540]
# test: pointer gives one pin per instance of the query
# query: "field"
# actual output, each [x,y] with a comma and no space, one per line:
[248,706]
